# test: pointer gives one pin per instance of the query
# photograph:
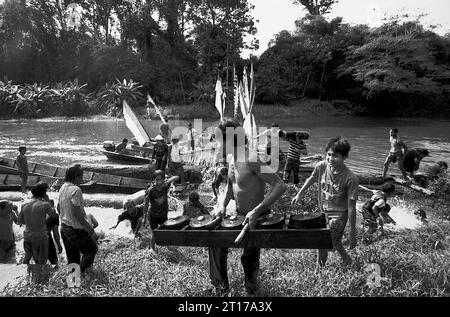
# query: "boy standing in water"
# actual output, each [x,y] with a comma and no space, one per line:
[156,196]
[338,192]
[397,152]
[8,215]
[22,168]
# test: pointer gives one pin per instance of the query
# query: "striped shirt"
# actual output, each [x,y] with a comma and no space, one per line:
[296,148]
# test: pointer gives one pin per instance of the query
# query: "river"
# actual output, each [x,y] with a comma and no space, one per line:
[65,142]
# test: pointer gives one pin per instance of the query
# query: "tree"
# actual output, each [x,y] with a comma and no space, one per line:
[316,7]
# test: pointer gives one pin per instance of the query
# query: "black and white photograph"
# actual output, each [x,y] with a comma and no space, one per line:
[224,154]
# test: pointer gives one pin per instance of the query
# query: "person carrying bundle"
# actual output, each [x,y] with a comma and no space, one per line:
[160,153]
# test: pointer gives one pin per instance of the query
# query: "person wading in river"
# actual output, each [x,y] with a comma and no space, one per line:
[246,184]
[396,153]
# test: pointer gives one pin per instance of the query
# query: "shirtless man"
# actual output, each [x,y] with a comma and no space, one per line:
[398,150]
[246,183]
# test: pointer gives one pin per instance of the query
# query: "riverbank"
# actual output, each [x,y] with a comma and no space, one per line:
[305,107]
[414,258]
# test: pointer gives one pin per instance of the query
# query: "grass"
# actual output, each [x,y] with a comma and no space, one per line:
[415,263]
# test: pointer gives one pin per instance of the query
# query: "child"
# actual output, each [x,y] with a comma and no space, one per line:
[160,152]
[397,152]
[296,148]
[52,223]
[22,168]
[33,215]
[156,196]
[194,207]
[175,162]
[338,192]
[8,215]
[377,208]
[220,176]
[122,147]
[134,214]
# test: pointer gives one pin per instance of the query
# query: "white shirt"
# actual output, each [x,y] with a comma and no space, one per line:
[175,153]
[71,196]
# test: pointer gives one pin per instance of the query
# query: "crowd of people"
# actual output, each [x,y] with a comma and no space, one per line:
[244,181]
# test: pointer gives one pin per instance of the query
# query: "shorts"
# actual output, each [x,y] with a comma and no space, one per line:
[394,156]
[369,218]
[156,221]
[337,223]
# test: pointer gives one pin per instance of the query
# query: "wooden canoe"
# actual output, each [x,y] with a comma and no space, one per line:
[258,238]
[126,158]
[98,182]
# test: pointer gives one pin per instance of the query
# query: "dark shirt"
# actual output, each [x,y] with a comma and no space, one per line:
[121,147]
[159,206]
[193,209]
[160,149]
[22,163]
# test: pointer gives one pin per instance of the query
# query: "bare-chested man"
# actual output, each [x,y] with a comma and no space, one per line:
[396,153]
[246,183]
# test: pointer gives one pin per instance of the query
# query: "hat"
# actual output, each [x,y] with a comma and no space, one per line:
[159,138]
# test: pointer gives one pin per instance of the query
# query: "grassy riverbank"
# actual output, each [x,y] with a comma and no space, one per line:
[416,262]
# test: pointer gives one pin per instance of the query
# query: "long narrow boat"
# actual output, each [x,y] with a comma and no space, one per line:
[125,158]
[54,175]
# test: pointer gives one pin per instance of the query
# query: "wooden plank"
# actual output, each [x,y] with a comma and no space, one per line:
[257,238]
[413,186]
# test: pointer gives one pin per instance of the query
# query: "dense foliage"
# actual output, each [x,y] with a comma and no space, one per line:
[174,49]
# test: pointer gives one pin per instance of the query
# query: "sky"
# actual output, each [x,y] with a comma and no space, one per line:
[277,15]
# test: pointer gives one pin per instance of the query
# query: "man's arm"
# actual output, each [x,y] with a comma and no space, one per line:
[304,135]
[309,182]
[352,221]
[14,215]
[57,238]
[21,218]
[172,179]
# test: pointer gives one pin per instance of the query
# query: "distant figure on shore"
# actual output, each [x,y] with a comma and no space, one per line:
[33,215]
[338,193]
[134,213]
[297,147]
[430,172]
[220,177]
[22,168]
[377,208]
[396,153]
[268,134]
[175,163]
[160,153]
[122,147]
[412,159]
[194,208]
[164,131]
[192,135]
[8,215]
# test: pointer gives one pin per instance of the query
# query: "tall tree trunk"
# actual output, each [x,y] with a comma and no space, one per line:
[321,80]
[306,83]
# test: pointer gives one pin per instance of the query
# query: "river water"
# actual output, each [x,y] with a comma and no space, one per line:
[65,142]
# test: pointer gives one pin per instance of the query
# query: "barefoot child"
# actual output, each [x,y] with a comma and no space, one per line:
[156,196]
[194,208]
[396,153]
[133,213]
[377,208]
[338,192]
[22,168]
[8,215]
